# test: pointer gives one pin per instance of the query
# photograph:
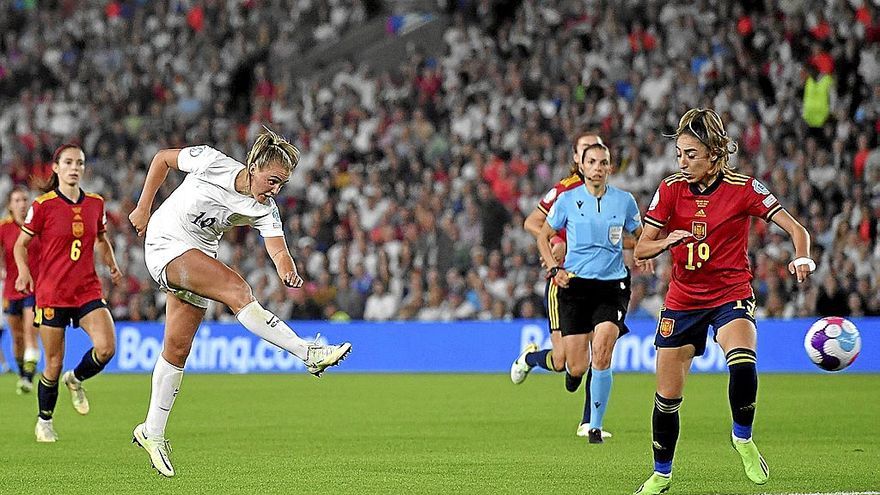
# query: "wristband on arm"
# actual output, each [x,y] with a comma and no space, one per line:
[803,260]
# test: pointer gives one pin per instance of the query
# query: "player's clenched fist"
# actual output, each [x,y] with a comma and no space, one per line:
[292,279]
[116,274]
[139,218]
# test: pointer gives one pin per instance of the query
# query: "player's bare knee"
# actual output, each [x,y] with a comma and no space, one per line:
[239,296]
[558,363]
[52,369]
[105,353]
[601,359]
[578,369]
[176,352]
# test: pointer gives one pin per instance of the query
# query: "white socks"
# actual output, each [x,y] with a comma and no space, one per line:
[166,383]
[269,327]
[32,354]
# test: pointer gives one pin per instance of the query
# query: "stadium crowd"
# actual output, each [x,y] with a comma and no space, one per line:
[413,185]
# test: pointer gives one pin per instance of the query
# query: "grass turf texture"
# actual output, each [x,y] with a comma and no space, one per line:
[413,434]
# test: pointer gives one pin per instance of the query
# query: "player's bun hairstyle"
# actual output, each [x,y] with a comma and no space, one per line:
[270,147]
[705,125]
[573,168]
[48,184]
[15,189]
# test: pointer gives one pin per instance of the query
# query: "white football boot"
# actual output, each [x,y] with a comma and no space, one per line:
[320,357]
[77,392]
[45,432]
[157,447]
[519,370]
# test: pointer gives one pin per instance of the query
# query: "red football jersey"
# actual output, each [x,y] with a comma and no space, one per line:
[712,268]
[67,233]
[9,232]
[564,185]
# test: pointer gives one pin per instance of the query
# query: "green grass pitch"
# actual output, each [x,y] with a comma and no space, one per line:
[443,434]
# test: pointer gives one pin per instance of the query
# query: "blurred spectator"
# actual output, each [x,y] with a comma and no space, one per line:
[832,300]
[381,305]
[414,171]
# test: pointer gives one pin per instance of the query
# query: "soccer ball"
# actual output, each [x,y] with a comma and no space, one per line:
[833,343]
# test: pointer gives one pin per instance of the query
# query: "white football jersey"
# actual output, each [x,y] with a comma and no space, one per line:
[206,205]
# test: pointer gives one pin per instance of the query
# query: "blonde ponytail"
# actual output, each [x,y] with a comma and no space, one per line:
[270,147]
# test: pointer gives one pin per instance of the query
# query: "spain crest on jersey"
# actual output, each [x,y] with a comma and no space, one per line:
[666,326]
[79,229]
[698,229]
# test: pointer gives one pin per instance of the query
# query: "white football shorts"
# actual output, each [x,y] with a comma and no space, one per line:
[159,250]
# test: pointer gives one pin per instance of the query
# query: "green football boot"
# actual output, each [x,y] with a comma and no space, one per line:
[754,464]
[655,485]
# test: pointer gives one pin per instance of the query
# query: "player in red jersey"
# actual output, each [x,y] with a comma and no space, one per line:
[706,209]
[70,224]
[19,306]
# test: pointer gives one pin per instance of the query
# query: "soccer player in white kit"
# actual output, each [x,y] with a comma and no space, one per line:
[182,238]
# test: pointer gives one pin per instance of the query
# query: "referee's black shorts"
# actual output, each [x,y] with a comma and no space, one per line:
[587,302]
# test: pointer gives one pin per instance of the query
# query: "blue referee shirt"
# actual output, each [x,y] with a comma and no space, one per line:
[594,230]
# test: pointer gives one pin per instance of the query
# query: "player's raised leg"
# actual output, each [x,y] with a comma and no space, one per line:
[203,275]
[552,359]
[738,339]
[521,367]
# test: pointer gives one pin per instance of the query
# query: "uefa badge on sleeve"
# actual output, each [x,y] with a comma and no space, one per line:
[667,325]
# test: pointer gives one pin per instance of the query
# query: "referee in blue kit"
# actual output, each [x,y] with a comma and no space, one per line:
[594,283]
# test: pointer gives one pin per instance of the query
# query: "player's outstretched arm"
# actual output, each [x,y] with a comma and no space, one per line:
[802,265]
[649,246]
[284,265]
[163,161]
[24,282]
[105,249]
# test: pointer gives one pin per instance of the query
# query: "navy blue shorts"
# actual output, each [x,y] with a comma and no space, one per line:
[680,328]
[16,307]
[61,317]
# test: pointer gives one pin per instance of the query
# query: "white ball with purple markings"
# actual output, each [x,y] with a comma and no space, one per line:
[833,343]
